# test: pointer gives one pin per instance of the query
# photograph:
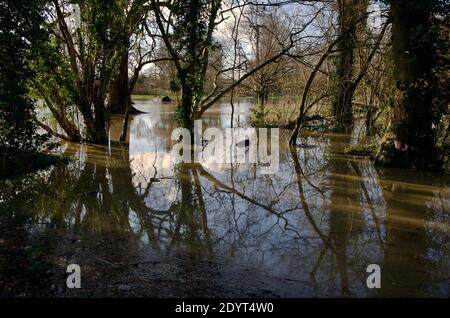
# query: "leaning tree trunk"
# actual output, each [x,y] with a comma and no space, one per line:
[412,115]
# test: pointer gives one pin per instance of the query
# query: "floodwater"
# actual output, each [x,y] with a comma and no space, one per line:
[139,225]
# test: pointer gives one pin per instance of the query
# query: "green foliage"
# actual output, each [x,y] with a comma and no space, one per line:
[78,63]
[175,86]
[259,115]
[441,73]
[420,101]
[191,39]
[20,22]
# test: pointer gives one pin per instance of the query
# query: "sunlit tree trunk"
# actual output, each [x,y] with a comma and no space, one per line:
[350,12]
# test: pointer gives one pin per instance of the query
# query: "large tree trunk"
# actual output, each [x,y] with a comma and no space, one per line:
[412,116]
[101,135]
[119,90]
[184,114]
[350,12]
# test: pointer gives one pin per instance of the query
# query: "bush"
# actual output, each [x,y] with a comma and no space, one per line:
[20,22]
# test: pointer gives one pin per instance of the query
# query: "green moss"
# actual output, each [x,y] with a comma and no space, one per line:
[367,150]
[150,97]
[142,97]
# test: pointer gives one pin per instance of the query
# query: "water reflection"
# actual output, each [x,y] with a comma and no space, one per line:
[141,225]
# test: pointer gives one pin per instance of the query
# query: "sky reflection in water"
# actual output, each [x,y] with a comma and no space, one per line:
[310,230]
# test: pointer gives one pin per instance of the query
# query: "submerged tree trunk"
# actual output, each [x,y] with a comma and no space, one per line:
[96,125]
[350,12]
[413,140]
[100,136]
[128,111]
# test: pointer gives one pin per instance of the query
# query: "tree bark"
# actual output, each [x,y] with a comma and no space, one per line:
[100,135]
[349,13]
[119,90]
[413,55]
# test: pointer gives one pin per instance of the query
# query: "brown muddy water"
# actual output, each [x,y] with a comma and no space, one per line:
[139,225]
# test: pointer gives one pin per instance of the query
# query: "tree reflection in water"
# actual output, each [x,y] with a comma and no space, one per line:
[131,217]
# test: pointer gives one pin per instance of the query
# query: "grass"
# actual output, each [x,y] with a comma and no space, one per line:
[142,97]
[281,115]
[366,150]
[284,115]
[150,97]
